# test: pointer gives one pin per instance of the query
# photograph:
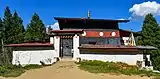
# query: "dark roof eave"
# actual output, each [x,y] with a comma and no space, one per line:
[79,19]
[103,48]
[146,48]
[89,46]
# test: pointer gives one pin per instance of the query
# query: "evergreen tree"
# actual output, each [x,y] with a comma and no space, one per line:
[1,34]
[151,37]
[1,29]
[18,29]
[8,30]
[36,30]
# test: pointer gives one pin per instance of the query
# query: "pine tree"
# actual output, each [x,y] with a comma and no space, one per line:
[36,30]
[18,29]
[8,24]
[1,34]
[151,37]
[1,29]
[150,26]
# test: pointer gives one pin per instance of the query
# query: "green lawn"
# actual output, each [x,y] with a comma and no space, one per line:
[112,67]
[14,71]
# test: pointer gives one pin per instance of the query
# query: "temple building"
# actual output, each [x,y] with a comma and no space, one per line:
[97,39]
[87,39]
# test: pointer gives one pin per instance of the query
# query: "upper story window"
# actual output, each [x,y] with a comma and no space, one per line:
[99,40]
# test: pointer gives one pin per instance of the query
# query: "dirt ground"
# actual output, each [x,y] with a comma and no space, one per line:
[68,70]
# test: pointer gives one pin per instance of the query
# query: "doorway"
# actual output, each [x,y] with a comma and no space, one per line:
[66,47]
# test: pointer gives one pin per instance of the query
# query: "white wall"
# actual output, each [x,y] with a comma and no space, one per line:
[33,57]
[129,59]
[125,40]
[75,47]
[57,45]
[51,40]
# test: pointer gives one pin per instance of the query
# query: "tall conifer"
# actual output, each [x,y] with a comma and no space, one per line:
[1,29]
[36,30]
[18,29]
[8,26]
[151,37]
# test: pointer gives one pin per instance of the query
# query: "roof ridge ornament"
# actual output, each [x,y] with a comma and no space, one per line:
[132,39]
[89,14]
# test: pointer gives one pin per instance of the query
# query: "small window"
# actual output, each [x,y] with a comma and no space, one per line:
[111,41]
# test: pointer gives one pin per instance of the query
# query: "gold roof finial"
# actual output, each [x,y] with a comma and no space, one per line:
[132,39]
[89,14]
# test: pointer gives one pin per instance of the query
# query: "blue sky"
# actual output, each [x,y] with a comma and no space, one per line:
[48,9]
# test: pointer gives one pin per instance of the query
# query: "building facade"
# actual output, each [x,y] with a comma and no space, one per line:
[85,39]
[96,39]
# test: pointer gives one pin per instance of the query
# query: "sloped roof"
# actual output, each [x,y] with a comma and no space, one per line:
[30,44]
[146,47]
[80,19]
[106,46]
[92,46]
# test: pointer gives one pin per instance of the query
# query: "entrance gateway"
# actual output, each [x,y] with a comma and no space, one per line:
[66,46]
[69,42]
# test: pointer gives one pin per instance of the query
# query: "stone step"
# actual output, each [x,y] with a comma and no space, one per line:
[66,59]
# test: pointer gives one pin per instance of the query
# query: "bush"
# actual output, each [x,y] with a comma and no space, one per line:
[113,67]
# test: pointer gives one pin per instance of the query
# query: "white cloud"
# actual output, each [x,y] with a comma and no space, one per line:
[54,26]
[121,19]
[140,10]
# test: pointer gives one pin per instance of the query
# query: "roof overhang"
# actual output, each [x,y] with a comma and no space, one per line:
[82,19]
[85,23]
[146,47]
[30,45]
[115,48]
[94,46]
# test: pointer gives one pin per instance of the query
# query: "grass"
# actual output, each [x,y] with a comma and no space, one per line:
[14,71]
[11,71]
[32,66]
[112,67]
[157,77]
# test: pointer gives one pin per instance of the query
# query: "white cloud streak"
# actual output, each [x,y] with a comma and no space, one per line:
[54,26]
[140,10]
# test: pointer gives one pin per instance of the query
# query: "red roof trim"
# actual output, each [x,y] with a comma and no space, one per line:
[30,44]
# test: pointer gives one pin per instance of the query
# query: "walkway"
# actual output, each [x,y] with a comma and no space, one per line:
[68,70]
